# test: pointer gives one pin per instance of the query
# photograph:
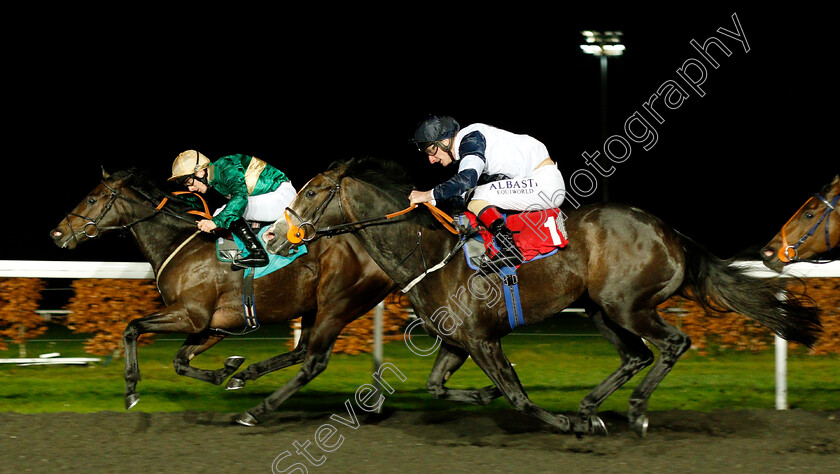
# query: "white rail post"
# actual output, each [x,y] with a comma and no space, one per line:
[378,313]
[781,367]
[296,331]
[781,374]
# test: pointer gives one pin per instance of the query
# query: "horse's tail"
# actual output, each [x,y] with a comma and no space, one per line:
[719,286]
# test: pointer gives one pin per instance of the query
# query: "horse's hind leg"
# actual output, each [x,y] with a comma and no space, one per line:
[489,356]
[671,342]
[450,359]
[634,354]
[258,369]
[195,345]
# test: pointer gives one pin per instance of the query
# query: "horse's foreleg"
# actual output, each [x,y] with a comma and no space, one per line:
[490,357]
[316,360]
[258,369]
[450,359]
[132,366]
[197,344]
[635,356]
[171,321]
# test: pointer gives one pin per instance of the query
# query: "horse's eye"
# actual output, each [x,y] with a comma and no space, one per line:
[310,193]
[91,200]
[808,215]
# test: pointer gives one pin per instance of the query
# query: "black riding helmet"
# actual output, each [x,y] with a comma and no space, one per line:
[433,129]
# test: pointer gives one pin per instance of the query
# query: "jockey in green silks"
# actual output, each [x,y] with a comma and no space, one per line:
[256,191]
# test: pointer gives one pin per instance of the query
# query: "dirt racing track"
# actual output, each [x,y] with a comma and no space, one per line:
[493,441]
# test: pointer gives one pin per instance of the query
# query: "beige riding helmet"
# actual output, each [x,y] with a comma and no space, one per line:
[188,163]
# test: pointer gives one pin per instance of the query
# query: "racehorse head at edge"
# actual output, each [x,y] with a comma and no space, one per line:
[812,230]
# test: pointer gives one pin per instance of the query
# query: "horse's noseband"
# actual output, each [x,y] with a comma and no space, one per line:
[92,223]
[297,233]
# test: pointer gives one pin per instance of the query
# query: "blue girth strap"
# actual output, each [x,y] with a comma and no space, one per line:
[248,307]
[248,303]
[512,301]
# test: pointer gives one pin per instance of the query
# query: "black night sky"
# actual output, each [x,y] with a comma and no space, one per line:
[304,88]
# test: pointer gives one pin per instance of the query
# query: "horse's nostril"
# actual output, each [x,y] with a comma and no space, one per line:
[56,234]
[767,253]
[268,236]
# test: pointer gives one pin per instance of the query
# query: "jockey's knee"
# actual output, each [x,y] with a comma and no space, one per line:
[477,205]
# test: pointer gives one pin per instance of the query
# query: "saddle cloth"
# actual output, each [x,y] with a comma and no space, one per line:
[228,246]
[537,234]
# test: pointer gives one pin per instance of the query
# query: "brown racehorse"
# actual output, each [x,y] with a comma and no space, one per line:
[622,259]
[812,230]
[328,287]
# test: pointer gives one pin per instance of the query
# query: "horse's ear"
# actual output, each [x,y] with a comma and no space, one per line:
[105,174]
[836,180]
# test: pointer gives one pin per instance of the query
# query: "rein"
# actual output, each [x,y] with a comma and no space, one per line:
[347,227]
[788,253]
[205,213]
[298,234]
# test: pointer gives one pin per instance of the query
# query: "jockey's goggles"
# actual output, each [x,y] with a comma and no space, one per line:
[427,148]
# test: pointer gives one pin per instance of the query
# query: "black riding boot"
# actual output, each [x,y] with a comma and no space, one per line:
[508,255]
[256,253]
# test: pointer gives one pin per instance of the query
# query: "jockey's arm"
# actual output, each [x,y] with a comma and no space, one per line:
[469,170]
[234,182]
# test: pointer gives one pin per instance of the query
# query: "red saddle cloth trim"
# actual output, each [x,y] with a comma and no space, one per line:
[531,232]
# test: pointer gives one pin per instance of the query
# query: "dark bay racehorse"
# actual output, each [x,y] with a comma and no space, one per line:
[622,259]
[331,285]
[812,230]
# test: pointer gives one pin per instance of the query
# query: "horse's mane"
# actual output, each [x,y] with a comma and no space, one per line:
[143,183]
[387,176]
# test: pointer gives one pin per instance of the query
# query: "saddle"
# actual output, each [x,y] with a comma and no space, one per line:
[537,234]
[228,246]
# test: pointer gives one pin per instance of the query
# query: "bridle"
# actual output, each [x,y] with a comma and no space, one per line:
[788,253]
[307,230]
[92,229]
[298,234]
[92,223]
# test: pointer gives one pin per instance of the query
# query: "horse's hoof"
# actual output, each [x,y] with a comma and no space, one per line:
[233,362]
[590,425]
[597,426]
[640,426]
[131,400]
[246,419]
[235,384]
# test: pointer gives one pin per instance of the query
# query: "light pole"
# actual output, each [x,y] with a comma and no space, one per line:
[604,45]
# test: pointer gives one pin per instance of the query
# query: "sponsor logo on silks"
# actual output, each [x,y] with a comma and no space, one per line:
[514,186]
